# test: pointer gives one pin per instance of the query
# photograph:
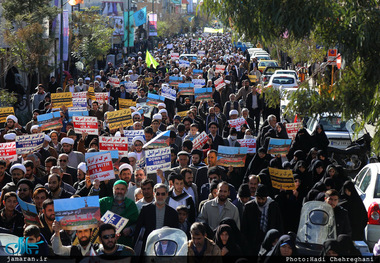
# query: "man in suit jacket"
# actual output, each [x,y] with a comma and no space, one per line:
[216,139]
[255,106]
[157,214]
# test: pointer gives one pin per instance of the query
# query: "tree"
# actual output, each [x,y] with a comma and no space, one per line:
[26,35]
[93,38]
[351,26]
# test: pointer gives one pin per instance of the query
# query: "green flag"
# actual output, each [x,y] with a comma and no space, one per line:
[149,60]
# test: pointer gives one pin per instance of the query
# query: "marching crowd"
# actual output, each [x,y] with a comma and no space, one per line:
[224,211]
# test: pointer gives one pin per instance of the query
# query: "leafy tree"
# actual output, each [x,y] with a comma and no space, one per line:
[93,38]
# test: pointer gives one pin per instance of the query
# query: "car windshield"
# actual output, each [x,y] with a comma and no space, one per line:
[287,73]
[283,80]
[333,124]
[270,70]
[263,58]
[268,64]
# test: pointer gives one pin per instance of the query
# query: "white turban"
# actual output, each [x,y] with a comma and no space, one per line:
[234,112]
[138,138]
[136,113]
[83,167]
[67,140]
[125,166]
[157,116]
[18,166]
[132,155]
[12,117]
[163,111]
[10,136]
[34,127]
[47,138]
[161,105]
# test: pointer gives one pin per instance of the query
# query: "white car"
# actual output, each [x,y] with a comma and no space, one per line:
[287,72]
[367,184]
[286,81]
[285,97]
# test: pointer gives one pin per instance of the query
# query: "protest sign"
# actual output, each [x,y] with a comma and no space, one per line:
[219,83]
[174,56]
[279,146]
[173,81]
[114,143]
[91,93]
[249,143]
[77,113]
[29,143]
[198,82]
[77,213]
[79,104]
[100,167]
[126,103]
[115,82]
[157,159]
[160,141]
[203,94]
[119,117]
[197,73]
[201,53]
[30,213]
[282,179]
[101,97]
[168,93]
[200,140]
[114,154]
[292,129]
[80,95]
[8,151]
[231,156]
[86,124]
[252,78]
[5,112]
[49,121]
[117,221]
[169,46]
[182,114]
[129,86]
[220,68]
[184,63]
[154,99]
[186,88]
[237,123]
[62,99]
[130,134]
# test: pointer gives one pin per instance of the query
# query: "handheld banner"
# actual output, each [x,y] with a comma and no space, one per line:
[252,78]
[279,146]
[114,154]
[62,99]
[119,117]
[129,86]
[174,56]
[30,213]
[292,129]
[237,123]
[126,103]
[184,63]
[231,156]
[186,88]
[5,112]
[282,179]
[160,141]
[8,151]
[80,95]
[168,93]
[114,143]
[100,167]
[200,140]
[157,159]
[249,143]
[86,124]
[220,68]
[114,219]
[79,104]
[115,82]
[203,94]
[50,121]
[154,99]
[219,83]
[29,143]
[130,134]
[101,97]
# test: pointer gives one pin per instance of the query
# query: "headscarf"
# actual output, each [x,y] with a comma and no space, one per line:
[267,244]
[282,134]
[231,244]
[345,242]
[330,244]
[284,239]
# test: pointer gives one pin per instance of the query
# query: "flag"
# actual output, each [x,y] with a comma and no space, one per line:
[149,60]
[129,30]
[140,17]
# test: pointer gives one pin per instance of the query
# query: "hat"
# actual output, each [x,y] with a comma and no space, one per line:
[132,155]
[262,191]
[67,140]
[47,138]
[10,136]
[234,112]
[182,153]
[163,111]
[38,186]
[157,116]
[136,113]
[244,191]
[34,127]
[125,166]
[121,182]
[80,80]
[12,117]
[83,167]
[18,166]
[71,132]
[138,138]
[25,181]
[87,78]
[161,105]
[130,71]
[98,77]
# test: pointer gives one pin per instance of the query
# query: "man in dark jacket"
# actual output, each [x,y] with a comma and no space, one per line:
[260,215]
[342,220]
[255,106]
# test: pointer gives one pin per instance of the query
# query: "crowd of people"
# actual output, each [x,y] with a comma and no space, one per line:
[224,211]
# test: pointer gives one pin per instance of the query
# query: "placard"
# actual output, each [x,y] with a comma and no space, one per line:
[130,86]
[157,159]
[114,143]
[220,68]
[62,99]
[201,53]
[186,88]
[115,82]
[30,213]
[160,141]
[198,82]
[184,63]
[80,95]
[5,112]
[279,146]
[114,154]
[174,56]
[282,179]
[200,140]
[101,97]
[231,156]
[130,134]
[117,221]
[100,167]
[203,94]
[50,121]
[8,151]
[91,93]
[86,124]
[292,129]
[219,83]
[79,104]
[126,103]
[249,143]
[237,123]
[167,92]
[154,99]
[120,117]
[29,143]
[182,114]
[252,78]
[77,213]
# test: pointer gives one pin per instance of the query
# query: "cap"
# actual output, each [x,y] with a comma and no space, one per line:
[25,181]
[121,182]
[18,166]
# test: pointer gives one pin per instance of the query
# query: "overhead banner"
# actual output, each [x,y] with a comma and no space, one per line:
[130,134]
[279,146]
[212,30]
[231,156]
[200,140]
[203,94]
[77,213]
[30,213]
[50,121]
[100,167]
[8,151]
[282,179]
[157,159]
[154,99]
[119,117]
[152,27]
[167,92]
[117,221]
[114,143]
[249,143]
[292,129]
[86,124]
[29,143]
[237,123]
[5,112]
[126,103]
[62,99]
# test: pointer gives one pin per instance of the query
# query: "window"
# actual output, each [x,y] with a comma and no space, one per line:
[376,193]
[283,80]
[366,180]
[319,217]
[360,176]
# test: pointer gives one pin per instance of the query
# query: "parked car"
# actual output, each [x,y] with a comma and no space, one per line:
[266,63]
[287,72]
[286,81]
[268,72]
